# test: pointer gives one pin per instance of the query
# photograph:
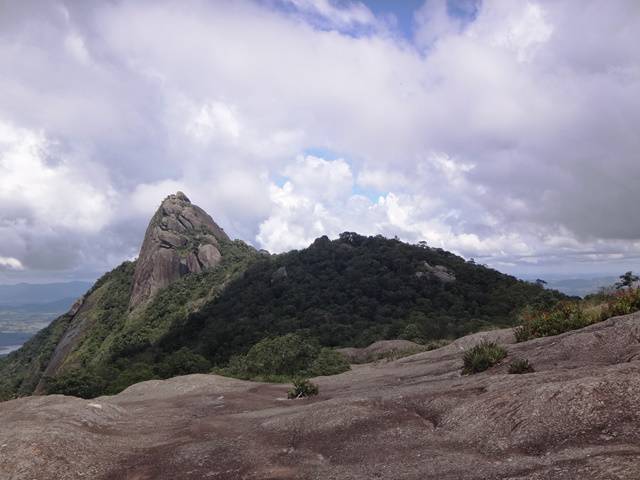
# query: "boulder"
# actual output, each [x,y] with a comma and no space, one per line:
[209,256]
[440,272]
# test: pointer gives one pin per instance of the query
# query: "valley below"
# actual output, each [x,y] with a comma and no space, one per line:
[25,309]
[576,417]
[10,341]
[18,325]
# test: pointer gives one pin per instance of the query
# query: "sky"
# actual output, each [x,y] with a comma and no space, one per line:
[504,131]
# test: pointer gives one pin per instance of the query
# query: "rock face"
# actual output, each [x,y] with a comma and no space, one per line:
[576,417]
[380,349]
[181,238]
[440,272]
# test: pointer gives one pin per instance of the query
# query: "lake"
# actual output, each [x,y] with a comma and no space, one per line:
[12,341]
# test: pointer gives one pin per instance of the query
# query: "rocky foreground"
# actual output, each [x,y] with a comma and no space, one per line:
[577,417]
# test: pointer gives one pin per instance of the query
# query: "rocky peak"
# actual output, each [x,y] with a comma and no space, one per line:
[181,238]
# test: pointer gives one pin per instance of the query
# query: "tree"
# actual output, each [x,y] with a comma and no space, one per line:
[627,280]
[183,362]
[413,331]
[329,362]
[286,355]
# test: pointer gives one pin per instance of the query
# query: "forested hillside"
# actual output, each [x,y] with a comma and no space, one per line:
[353,291]
[96,348]
[350,291]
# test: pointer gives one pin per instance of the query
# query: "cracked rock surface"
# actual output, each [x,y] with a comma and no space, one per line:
[576,417]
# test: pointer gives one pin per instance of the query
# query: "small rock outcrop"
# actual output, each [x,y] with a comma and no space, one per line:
[279,274]
[440,272]
[181,238]
[380,349]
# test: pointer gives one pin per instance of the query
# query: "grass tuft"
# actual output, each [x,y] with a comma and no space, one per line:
[302,388]
[482,357]
[520,365]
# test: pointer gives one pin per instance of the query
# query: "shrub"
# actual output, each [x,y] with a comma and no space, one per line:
[482,356]
[563,317]
[287,355]
[280,359]
[78,383]
[302,388]
[522,333]
[622,302]
[329,362]
[183,362]
[236,367]
[520,365]
[413,333]
[566,316]
[133,373]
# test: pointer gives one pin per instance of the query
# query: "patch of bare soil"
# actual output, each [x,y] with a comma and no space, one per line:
[576,417]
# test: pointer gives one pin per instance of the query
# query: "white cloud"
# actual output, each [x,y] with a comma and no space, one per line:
[355,13]
[146,197]
[434,22]
[10,263]
[522,30]
[505,135]
[46,190]
[302,211]
[381,180]
[320,179]
[213,120]
[74,43]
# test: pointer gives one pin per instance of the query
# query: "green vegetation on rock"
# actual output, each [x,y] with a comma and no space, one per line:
[481,357]
[520,366]
[561,318]
[284,358]
[572,315]
[302,388]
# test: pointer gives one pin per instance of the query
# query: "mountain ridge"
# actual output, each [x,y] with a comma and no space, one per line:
[195,298]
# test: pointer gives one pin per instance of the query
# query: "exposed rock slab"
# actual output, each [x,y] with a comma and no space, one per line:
[440,272]
[577,417]
[378,350]
[181,238]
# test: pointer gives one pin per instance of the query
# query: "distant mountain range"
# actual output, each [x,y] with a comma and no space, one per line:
[38,294]
[581,286]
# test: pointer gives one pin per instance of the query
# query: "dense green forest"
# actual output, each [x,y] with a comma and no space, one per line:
[347,292]
[353,291]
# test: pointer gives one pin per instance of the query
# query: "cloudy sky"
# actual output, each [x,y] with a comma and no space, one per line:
[507,131]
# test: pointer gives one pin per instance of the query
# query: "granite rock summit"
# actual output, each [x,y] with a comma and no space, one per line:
[181,238]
